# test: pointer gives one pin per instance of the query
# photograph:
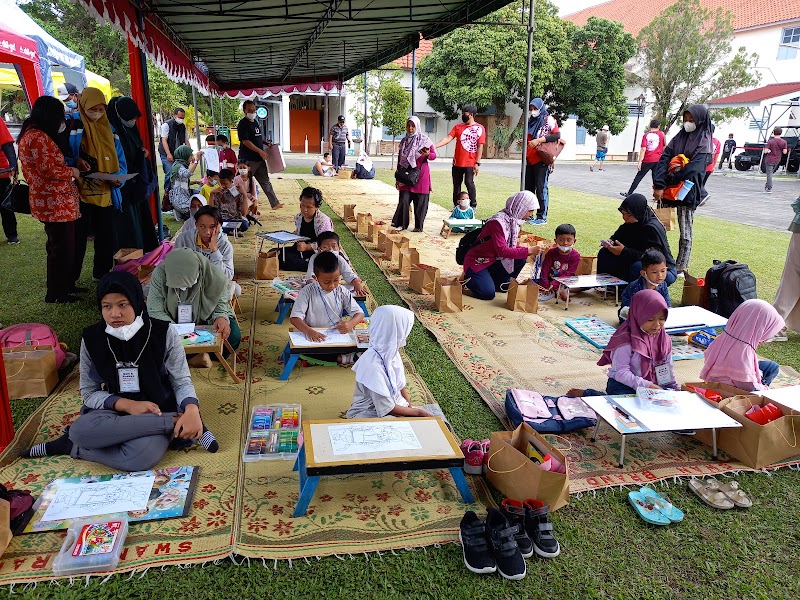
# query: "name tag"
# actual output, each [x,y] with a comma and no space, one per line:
[233,192]
[128,380]
[664,375]
[185,313]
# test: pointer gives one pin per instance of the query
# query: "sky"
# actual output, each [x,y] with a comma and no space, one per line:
[566,7]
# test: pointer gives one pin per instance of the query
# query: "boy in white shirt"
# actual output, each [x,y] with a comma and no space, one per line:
[328,241]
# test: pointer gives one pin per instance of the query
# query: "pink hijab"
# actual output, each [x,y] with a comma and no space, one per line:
[511,217]
[654,349]
[733,354]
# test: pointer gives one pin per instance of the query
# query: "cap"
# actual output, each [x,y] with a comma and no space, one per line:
[470,108]
[605,127]
[340,118]
[65,90]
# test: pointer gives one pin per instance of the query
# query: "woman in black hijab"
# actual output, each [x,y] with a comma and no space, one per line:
[133,226]
[137,392]
[621,255]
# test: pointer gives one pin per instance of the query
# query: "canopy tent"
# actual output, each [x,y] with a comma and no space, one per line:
[24,54]
[52,53]
[9,79]
[776,102]
[326,87]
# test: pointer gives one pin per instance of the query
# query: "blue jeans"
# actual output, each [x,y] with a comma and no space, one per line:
[769,370]
[339,153]
[486,283]
[635,271]
[167,166]
[613,388]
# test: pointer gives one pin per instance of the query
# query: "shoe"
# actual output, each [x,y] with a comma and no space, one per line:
[77,290]
[65,299]
[14,240]
[473,457]
[485,446]
[681,275]
[514,511]
[416,230]
[591,169]
[624,194]
[704,200]
[396,228]
[538,221]
[540,529]
[502,536]
[767,191]
[546,296]
[475,544]
[781,336]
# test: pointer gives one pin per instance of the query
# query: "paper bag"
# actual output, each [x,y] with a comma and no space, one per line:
[668,217]
[422,278]
[267,265]
[516,476]
[756,445]
[692,291]
[447,295]
[362,222]
[31,371]
[349,212]
[275,161]
[397,247]
[126,254]
[344,173]
[374,230]
[388,244]
[5,527]
[408,257]
[523,297]
[586,265]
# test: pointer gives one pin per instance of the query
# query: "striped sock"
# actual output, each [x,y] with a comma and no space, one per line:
[208,441]
[58,447]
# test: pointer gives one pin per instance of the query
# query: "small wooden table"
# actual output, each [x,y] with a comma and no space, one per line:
[580,282]
[286,302]
[466,224]
[346,447]
[281,238]
[293,350]
[214,347]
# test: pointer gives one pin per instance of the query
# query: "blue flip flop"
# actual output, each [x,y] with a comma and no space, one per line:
[646,510]
[662,504]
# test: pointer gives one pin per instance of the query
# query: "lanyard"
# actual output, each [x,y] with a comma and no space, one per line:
[327,307]
[136,362]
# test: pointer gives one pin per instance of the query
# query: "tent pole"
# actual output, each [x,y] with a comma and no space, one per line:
[196,117]
[365,137]
[413,78]
[527,97]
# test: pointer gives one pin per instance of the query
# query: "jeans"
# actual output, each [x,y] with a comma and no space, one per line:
[261,175]
[487,282]
[467,175]
[167,166]
[339,153]
[769,371]
[536,177]
[636,268]
[613,388]
[646,167]
[770,168]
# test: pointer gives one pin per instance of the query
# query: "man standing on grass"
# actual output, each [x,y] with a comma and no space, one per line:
[471,138]
[173,135]
[776,148]
[251,151]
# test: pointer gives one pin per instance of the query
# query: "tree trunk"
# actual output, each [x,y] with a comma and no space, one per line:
[393,137]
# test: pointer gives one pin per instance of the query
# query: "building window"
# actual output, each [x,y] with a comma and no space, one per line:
[790,42]
[430,124]
[580,132]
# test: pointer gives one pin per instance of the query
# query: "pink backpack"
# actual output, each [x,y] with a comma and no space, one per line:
[32,334]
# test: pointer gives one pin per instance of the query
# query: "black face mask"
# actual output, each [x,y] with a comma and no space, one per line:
[465,118]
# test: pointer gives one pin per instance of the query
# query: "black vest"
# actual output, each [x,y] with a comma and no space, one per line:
[176,137]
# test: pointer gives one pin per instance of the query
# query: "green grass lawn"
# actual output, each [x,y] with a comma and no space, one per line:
[607,551]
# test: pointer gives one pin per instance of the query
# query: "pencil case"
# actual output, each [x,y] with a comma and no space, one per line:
[564,414]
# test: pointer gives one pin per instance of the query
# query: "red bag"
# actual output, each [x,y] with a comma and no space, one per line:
[32,334]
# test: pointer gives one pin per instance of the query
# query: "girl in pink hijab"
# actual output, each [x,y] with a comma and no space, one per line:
[731,358]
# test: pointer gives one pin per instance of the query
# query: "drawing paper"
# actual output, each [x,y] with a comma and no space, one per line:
[78,500]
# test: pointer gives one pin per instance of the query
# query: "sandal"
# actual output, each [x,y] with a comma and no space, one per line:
[646,509]
[663,504]
[709,492]
[736,495]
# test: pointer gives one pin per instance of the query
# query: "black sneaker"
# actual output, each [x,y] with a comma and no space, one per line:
[514,511]
[475,544]
[502,534]
[540,529]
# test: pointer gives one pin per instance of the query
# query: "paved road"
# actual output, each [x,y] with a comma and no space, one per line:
[735,196]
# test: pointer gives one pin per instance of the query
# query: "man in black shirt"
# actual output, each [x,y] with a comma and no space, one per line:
[727,151]
[173,134]
[251,151]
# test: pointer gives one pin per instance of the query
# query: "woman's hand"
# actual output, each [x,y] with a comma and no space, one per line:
[136,407]
[397,185]
[303,247]
[223,327]
[189,425]
[534,250]
[83,166]
[657,194]
[535,142]
[75,173]
[614,247]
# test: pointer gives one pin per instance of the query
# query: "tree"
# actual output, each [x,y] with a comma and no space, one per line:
[395,105]
[682,59]
[375,81]
[165,94]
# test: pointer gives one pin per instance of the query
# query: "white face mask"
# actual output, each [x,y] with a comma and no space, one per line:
[94,116]
[243,171]
[130,123]
[464,205]
[251,116]
[653,283]
[689,127]
[126,332]
[179,121]
[536,113]
[565,248]
[62,128]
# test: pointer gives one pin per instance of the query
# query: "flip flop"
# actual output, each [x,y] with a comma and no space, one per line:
[710,493]
[663,504]
[736,495]
[646,510]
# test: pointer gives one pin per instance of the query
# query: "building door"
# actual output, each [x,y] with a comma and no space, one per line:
[304,123]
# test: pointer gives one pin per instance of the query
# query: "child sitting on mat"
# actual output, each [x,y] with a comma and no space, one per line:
[639,352]
[322,304]
[328,241]
[309,222]
[561,261]
[732,359]
[462,211]
[380,376]
[653,276]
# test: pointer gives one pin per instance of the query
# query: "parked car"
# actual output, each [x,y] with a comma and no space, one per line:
[752,155]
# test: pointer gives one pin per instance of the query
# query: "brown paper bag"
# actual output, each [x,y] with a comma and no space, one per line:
[422,278]
[668,217]
[516,476]
[388,244]
[523,297]
[267,265]
[447,295]
[397,247]
[724,390]
[362,222]
[374,230]
[408,257]
[693,291]
[5,527]
[586,265]
[31,371]
[126,254]
[349,212]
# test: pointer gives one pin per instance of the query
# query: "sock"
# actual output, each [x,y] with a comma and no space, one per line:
[58,447]
[208,441]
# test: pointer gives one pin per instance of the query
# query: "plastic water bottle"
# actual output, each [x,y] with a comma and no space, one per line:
[687,187]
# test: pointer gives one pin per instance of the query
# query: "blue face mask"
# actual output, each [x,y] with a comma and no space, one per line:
[71,104]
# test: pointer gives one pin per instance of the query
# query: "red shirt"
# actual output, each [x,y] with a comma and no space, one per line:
[531,154]
[776,147]
[653,143]
[717,147]
[227,159]
[5,138]
[467,138]
[54,195]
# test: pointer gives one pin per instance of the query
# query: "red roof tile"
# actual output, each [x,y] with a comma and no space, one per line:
[425,47]
[635,14]
[773,90]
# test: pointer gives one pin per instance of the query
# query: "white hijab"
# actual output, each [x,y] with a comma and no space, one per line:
[365,161]
[380,368]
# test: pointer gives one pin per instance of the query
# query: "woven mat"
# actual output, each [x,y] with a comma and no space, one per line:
[497,349]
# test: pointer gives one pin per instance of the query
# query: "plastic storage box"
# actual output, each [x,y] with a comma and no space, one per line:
[92,545]
[273,432]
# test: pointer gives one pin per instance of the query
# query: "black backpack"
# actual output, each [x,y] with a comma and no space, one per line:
[470,240]
[728,284]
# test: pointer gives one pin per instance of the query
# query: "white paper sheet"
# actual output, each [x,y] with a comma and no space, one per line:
[690,412]
[282,237]
[788,396]
[77,500]
[362,438]
[183,328]
[687,318]
[211,156]
[332,338]
[590,281]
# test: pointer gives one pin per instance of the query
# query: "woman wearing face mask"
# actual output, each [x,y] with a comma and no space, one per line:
[133,226]
[53,194]
[187,288]
[541,128]
[97,149]
[415,150]
[694,141]
[138,397]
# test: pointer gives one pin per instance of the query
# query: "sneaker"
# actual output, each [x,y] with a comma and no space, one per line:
[475,544]
[781,336]
[704,200]
[538,221]
[540,529]
[14,240]
[473,457]
[514,511]
[502,535]
[546,296]
[767,191]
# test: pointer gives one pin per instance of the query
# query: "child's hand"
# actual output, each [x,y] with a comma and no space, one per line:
[344,326]
[421,413]
[315,336]
[655,386]
[358,288]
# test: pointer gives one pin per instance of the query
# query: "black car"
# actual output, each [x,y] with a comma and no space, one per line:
[752,154]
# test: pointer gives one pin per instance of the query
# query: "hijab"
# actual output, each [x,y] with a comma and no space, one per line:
[536,123]
[411,144]
[181,155]
[380,368]
[98,137]
[699,140]
[653,349]
[206,284]
[733,354]
[122,109]
[511,217]
[365,161]
[636,205]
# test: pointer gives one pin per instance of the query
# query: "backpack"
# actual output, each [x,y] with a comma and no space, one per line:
[469,241]
[728,284]
[32,334]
